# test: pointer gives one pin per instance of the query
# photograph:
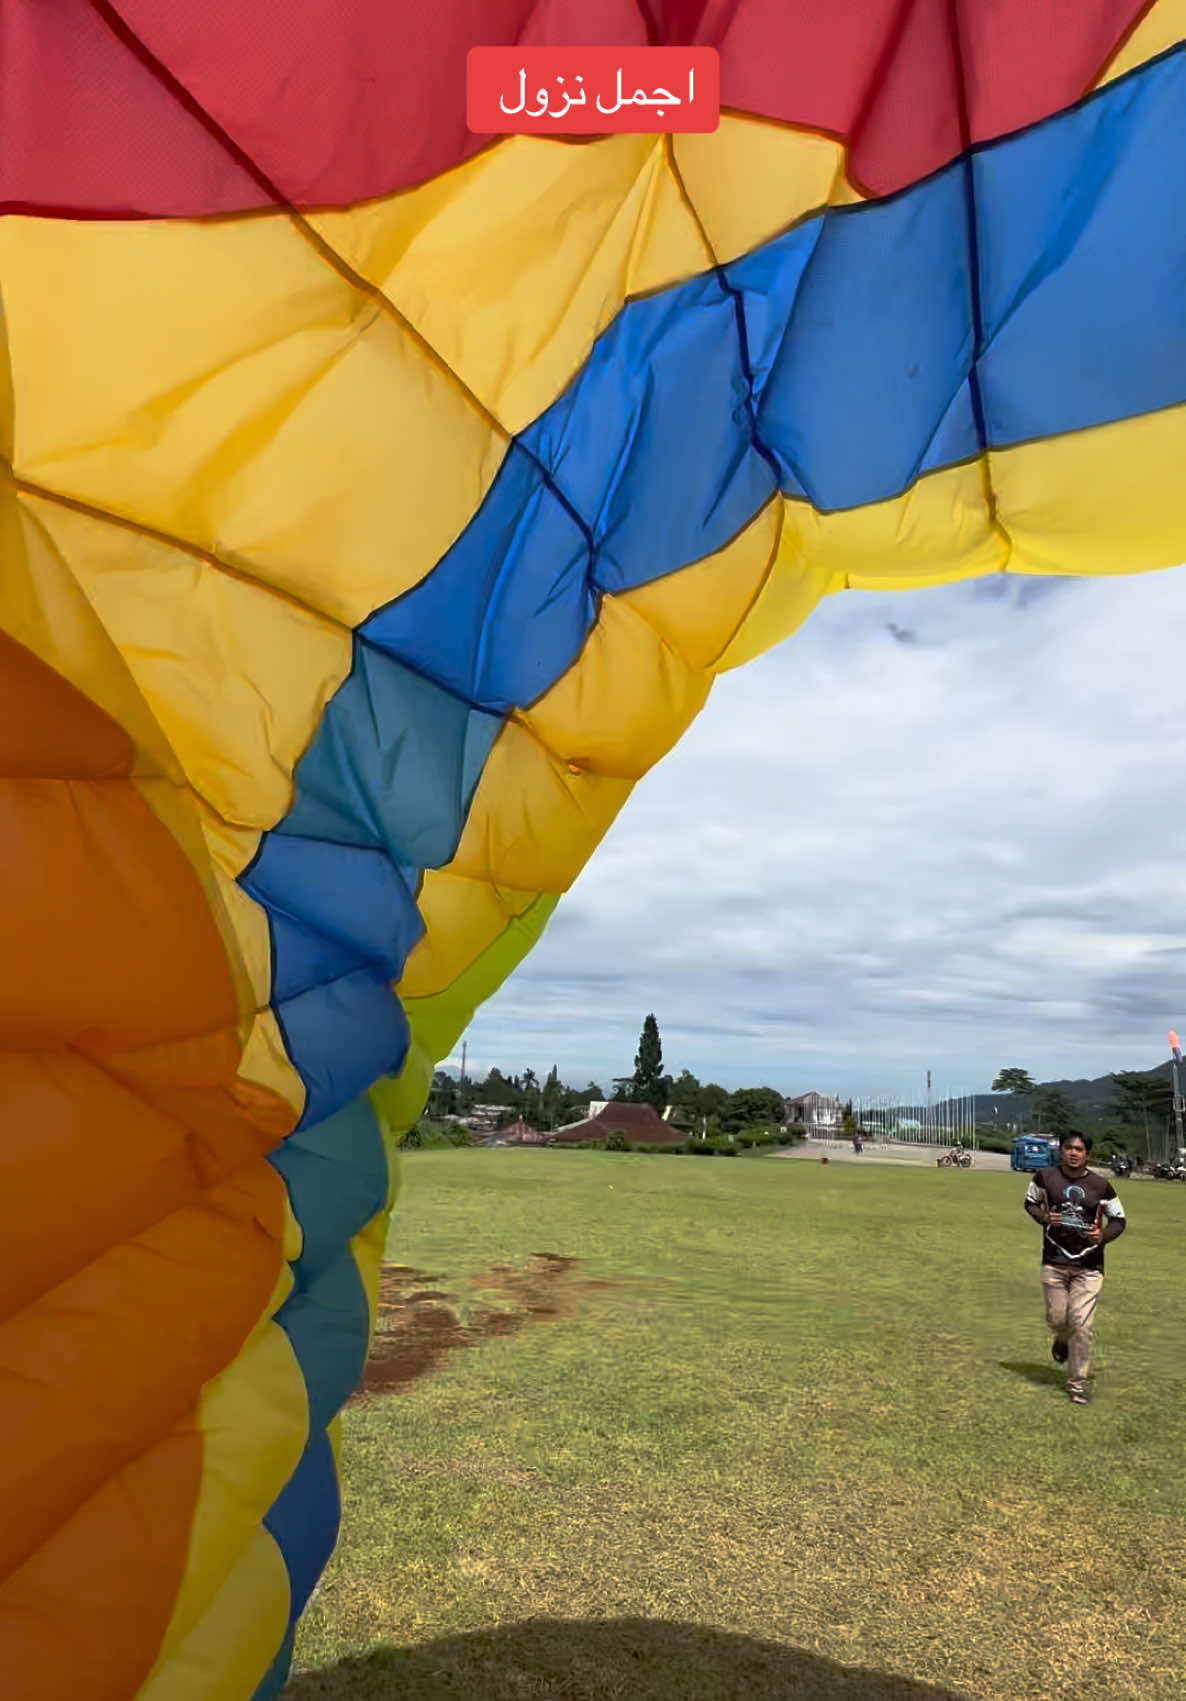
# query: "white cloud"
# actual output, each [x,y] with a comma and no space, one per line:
[957,843]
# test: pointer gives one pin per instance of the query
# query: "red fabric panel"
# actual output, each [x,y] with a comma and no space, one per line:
[189,107]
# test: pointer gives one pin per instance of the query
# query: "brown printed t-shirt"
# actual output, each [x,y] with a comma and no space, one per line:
[1083,1200]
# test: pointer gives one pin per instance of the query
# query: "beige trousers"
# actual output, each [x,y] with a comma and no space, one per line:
[1070,1296]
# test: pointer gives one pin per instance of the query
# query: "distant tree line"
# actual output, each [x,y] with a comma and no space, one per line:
[1135,1113]
[701,1108]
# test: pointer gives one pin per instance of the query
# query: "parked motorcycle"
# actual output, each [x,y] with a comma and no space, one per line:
[956,1157]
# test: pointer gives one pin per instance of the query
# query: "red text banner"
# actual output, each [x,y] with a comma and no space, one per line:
[592,91]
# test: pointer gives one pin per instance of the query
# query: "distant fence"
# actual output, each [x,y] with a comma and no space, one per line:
[828,1134]
[946,1120]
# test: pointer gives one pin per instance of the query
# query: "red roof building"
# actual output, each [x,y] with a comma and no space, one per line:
[520,1133]
[642,1126]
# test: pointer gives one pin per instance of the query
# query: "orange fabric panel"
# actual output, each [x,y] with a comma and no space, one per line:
[142,1228]
[84,1163]
[74,739]
[83,1617]
[193,1081]
[97,1371]
[101,920]
[115,943]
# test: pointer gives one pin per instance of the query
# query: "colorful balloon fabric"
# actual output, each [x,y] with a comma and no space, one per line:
[379,503]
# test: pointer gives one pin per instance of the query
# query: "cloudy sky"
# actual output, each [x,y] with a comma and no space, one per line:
[944,829]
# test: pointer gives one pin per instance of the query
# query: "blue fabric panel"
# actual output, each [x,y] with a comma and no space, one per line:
[1083,261]
[676,473]
[304,1520]
[522,565]
[336,1175]
[877,342]
[767,282]
[341,1037]
[350,894]
[333,908]
[302,958]
[381,793]
[956,437]
[327,1320]
[392,766]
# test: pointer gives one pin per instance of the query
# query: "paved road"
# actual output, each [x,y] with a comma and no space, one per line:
[840,1151]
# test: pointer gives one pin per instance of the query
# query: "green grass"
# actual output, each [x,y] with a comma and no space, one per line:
[810,1443]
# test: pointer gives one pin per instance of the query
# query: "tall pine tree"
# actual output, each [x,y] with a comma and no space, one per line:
[647,1085]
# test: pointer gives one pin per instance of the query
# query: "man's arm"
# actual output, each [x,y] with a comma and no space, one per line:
[1036,1203]
[1111,1220]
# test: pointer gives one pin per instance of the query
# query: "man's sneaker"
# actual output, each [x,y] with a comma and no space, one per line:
[1058,1352]
[1078,1396]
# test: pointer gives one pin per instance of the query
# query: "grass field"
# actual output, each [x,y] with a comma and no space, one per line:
[781,1430]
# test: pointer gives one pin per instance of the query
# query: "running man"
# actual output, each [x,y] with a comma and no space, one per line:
[1079,1213]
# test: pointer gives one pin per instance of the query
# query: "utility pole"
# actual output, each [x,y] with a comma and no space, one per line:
[1175,1061]
[463,1045]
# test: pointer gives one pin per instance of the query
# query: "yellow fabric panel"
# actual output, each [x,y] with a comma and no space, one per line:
[397,1100]
[235,676]
[753,178]
[935,532]
[334,1436]
[622,706]
[367,1251]
[44,609]
[698,609]
[512,263]
[790,591]
[222,383]
[1163,26]
[438,1022]
[1076,505]
[254,1424]
[938,531]
[535,820]
[1096,502]
[265,1062]
[461,918]
[228,1651]
[231,849]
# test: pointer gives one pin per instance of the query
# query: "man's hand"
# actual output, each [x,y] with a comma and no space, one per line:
[1094,1235]
[1054,1219]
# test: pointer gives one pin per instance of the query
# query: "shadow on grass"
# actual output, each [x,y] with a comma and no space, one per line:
[630,1659]
[1041,1375]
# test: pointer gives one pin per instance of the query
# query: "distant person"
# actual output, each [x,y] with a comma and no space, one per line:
[1079,1213]
[858,1141]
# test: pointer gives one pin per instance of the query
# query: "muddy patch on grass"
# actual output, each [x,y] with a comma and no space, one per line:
[420,1322]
